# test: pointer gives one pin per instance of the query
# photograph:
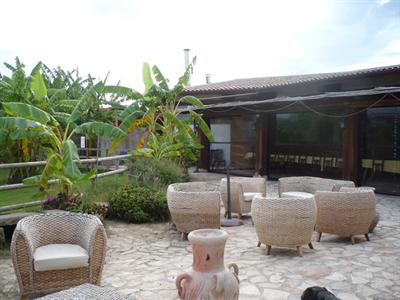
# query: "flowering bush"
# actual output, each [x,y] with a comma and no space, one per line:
[60,201]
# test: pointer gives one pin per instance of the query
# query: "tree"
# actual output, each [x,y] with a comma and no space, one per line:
[21,88]
[56,92]
[24,121]
[168,126]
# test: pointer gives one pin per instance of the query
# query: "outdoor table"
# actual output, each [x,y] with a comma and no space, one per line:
[87,291]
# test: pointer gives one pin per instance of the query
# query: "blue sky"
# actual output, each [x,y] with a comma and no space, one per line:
[232,39]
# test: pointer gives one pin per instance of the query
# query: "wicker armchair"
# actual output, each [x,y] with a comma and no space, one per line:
[284,222]
[305,185]
[82,231]
[243,190]
[345,213]
[193,205]
[375,220]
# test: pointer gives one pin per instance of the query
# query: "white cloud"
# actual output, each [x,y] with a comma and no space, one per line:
[389,55]
[382,2]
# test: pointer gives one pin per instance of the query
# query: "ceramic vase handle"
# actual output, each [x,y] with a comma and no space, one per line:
[235,270]
[178,282]
[219,282]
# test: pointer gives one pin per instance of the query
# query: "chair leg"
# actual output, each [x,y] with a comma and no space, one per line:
[184,236]
[252,222]
[353,239]
[299,250]
[258,244]
[310,245]
[366,237]
[225,214]
[239,216]
[319,236]
[269,247]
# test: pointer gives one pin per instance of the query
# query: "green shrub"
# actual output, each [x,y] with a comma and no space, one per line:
[137,204]
[150,172]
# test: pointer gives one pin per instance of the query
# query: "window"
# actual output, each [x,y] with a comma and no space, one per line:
[234,145]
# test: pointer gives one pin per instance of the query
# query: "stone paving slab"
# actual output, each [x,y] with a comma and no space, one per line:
[144,260]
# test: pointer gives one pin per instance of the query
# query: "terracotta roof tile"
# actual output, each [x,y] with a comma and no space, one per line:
[248,84]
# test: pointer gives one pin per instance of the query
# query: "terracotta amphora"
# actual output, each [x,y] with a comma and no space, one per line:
[209,279]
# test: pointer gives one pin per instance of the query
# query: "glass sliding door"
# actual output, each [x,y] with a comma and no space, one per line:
[380,152]
[235,143]
[220,150]
[306,143]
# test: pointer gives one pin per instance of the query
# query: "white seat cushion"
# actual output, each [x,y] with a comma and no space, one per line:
[60,257]
[250,196]
[296,195]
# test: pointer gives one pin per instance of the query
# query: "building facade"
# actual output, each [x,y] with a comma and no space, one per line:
[335,125]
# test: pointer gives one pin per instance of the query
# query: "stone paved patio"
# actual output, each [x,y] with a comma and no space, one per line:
[144,260]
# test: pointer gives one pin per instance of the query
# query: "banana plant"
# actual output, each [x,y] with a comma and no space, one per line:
[159,111]
[157,150]
[56,92]
[22,88]
[24,121]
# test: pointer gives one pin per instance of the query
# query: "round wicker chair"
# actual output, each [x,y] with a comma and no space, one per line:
[41,230]
[284,222]
[243,190]
[310,185]
[194,205]
[345,213]
[375,220]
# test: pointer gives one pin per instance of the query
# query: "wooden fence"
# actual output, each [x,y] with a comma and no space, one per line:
[112,170]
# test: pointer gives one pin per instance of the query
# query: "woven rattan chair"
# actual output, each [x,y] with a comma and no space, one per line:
[243,190]
[33,232]
[345,213]
[284,222]
[375,220]
[194,205]
[303,185]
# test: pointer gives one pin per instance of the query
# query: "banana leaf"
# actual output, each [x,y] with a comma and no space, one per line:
[54,163]
[100,129]
[65,105]
[29,133]
[29,112]
[121,91]
[192,101]
[63,118]
[129,110]
[85,102]
[38,86]
[70,155]
[147,79]
[129,120]
[8,123]
[202,125]
[161,80]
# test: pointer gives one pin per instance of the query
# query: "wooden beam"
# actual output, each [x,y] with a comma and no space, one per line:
[204,160]
[261,144]
[80,161]
[121,169]
[17,186]
[22,205]
[322,105]
[270,136]
[351,146]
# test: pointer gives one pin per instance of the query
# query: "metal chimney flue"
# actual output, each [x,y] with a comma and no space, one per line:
[187,60]
[187,57]
[208,78]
